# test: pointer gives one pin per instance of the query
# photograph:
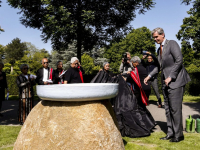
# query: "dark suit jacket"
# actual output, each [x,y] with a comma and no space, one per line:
[172,64]
[56,78]
[39,74]
[3,82]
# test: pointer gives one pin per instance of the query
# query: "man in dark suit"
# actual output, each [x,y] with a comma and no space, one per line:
[44,75]
[3,86]
[174,78]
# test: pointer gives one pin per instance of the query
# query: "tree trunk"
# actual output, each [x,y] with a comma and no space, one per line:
[11,69]
[79,35]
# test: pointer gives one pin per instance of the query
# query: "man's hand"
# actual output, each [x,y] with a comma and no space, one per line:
[146,80]
[167,81]
[144,56]
[45,83]
[148,53]
[128,72]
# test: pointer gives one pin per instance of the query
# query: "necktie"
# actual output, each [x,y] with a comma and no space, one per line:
[161,51]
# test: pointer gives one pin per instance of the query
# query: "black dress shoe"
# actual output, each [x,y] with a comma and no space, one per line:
[177,139]
[166,138]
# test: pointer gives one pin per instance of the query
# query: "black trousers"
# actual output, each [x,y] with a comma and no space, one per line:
[2,96]
[173,99]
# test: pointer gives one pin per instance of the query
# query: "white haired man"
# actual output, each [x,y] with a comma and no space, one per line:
[75,73]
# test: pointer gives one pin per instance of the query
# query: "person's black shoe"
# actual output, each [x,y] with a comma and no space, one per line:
[177,139]
[166,137]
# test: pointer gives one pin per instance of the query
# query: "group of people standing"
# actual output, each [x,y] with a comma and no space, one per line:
[135,82]
[136,76]
[44,76]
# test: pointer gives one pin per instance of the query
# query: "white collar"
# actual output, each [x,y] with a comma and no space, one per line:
[163,42]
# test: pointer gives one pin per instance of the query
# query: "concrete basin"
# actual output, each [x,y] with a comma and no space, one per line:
[77,92]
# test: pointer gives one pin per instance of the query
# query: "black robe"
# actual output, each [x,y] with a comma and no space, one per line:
[134,120]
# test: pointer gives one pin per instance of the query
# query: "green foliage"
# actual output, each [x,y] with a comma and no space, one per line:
[2,52]
[88,22]
[64,55]
[188,53]
[135,42]
[88,65]
[15,50]
[190,29]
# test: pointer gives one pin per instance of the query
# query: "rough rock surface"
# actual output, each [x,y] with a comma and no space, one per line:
[55,125]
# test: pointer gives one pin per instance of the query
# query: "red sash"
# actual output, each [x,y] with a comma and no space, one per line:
[81,75]
[136,78]
[50,74]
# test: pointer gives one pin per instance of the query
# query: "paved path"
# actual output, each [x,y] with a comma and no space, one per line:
[9,110]
[192,109]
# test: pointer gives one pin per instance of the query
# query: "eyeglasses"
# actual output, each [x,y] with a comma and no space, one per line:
[46,62]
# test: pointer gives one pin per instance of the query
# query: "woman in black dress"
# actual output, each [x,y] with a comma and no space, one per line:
[105,75]
[134,120]
[3,86]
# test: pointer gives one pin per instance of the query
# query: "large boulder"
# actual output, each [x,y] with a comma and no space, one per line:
[53,125]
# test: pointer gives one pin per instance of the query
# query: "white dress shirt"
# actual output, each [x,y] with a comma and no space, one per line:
[45,74]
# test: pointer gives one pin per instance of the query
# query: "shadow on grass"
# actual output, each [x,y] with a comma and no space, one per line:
[124,141]
[162,125]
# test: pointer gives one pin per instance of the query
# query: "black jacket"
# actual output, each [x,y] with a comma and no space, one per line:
[39,74]
[150,66]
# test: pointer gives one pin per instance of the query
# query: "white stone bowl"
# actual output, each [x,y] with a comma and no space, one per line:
[77,92]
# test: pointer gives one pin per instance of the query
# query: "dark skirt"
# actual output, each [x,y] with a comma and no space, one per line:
[134,119]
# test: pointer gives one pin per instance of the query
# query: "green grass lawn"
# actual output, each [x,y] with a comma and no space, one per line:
[185,98]
[8,136]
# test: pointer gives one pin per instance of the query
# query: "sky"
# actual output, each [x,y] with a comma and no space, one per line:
[168,14]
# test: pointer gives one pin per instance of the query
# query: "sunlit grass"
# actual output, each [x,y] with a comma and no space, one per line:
[153,142]
[8,136]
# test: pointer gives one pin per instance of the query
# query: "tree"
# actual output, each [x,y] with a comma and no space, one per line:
[190,29]
[2,52]
[15,51]
[88,65]
[64,55]
[135,42]
[88,22]
[188,53]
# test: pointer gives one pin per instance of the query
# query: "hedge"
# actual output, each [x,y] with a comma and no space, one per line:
[192,88]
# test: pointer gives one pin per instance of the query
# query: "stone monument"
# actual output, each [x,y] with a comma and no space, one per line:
[72,117]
